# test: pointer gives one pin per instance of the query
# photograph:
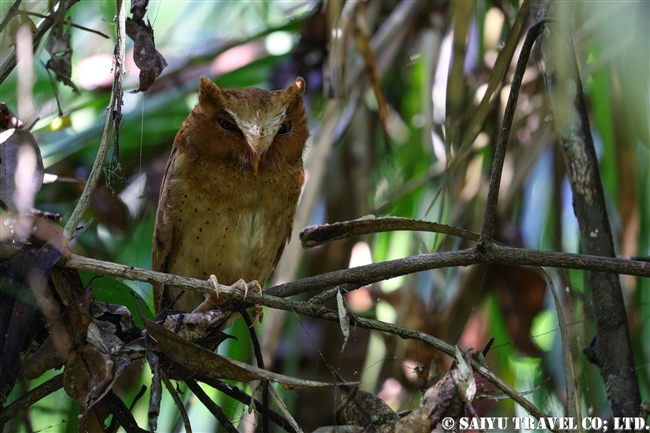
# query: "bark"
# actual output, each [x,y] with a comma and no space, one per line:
[611,349]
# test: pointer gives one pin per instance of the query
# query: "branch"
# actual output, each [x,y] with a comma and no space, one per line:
[314,236]
[377,271]
[611,350]
[86,29]
[13,10]
[114,106]
[504,134]
[10,62]
[31,397]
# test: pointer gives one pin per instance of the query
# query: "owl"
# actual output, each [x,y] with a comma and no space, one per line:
[230,189]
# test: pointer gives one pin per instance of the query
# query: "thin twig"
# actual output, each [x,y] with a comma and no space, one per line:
[47,17]
[284,410]
[31,397]
[239,395]
[177,401]
[11,60]
[257,350]
[10,14]
[573,402]
[504,134]
[122,413]
[330,294]
[313,236]
[109,126]
[211,406]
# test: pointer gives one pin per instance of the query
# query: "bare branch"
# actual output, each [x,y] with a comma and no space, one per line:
[504,134]
[114,106]
[313,236]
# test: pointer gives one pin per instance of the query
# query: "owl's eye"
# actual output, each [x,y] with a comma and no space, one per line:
[285,128]
[228,126]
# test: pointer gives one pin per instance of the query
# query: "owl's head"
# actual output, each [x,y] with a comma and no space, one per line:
[259,129]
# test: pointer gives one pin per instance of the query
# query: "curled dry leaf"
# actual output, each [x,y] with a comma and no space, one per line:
[27,272]
[193,326]
[447,398]
[69,331]
[87,375]
[58,45]
[155,395]
[361,408]
[344,320]
[139,8]
[150,62]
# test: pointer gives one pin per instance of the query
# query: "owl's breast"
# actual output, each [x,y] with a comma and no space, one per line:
[230,222]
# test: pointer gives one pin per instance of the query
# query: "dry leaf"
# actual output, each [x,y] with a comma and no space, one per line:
[344,320]
[150,62]
[25,285]
[69,331]
[88,375]
[58,45]
[139,8]
[200,360]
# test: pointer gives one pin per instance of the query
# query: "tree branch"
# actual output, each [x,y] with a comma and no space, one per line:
[314,236]
[114,106]
[489,219]
[611,350]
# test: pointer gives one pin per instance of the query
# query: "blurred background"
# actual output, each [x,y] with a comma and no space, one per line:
[405,100]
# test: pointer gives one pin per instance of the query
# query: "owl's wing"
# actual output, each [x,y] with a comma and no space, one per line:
[163,230]
[287,237]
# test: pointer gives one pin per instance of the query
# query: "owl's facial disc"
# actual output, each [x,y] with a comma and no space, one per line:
[259,130]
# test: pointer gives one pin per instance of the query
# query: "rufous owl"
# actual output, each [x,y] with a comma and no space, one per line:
[230,189]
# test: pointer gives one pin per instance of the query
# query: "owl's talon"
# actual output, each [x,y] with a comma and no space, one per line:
[258,314]
[215,284]
[255,287]
[209,301]
[241,285]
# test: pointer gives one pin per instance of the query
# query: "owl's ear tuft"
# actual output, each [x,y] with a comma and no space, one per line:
[207,90]
[298,87]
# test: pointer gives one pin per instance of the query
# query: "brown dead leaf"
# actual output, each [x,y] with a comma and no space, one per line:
[150,62]
[88,374]
[139,8]
[361,408]
[69,331]
[58,45]
[25,289]
[447,398]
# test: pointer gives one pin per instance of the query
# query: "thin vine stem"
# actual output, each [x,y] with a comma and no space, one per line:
[109,127]
[489,219]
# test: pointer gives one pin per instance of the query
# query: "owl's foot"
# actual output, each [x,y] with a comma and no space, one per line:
[214,283]
[254,286]
[258,314]
[210,300]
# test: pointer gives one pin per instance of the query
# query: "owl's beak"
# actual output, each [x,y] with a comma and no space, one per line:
[258,144]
